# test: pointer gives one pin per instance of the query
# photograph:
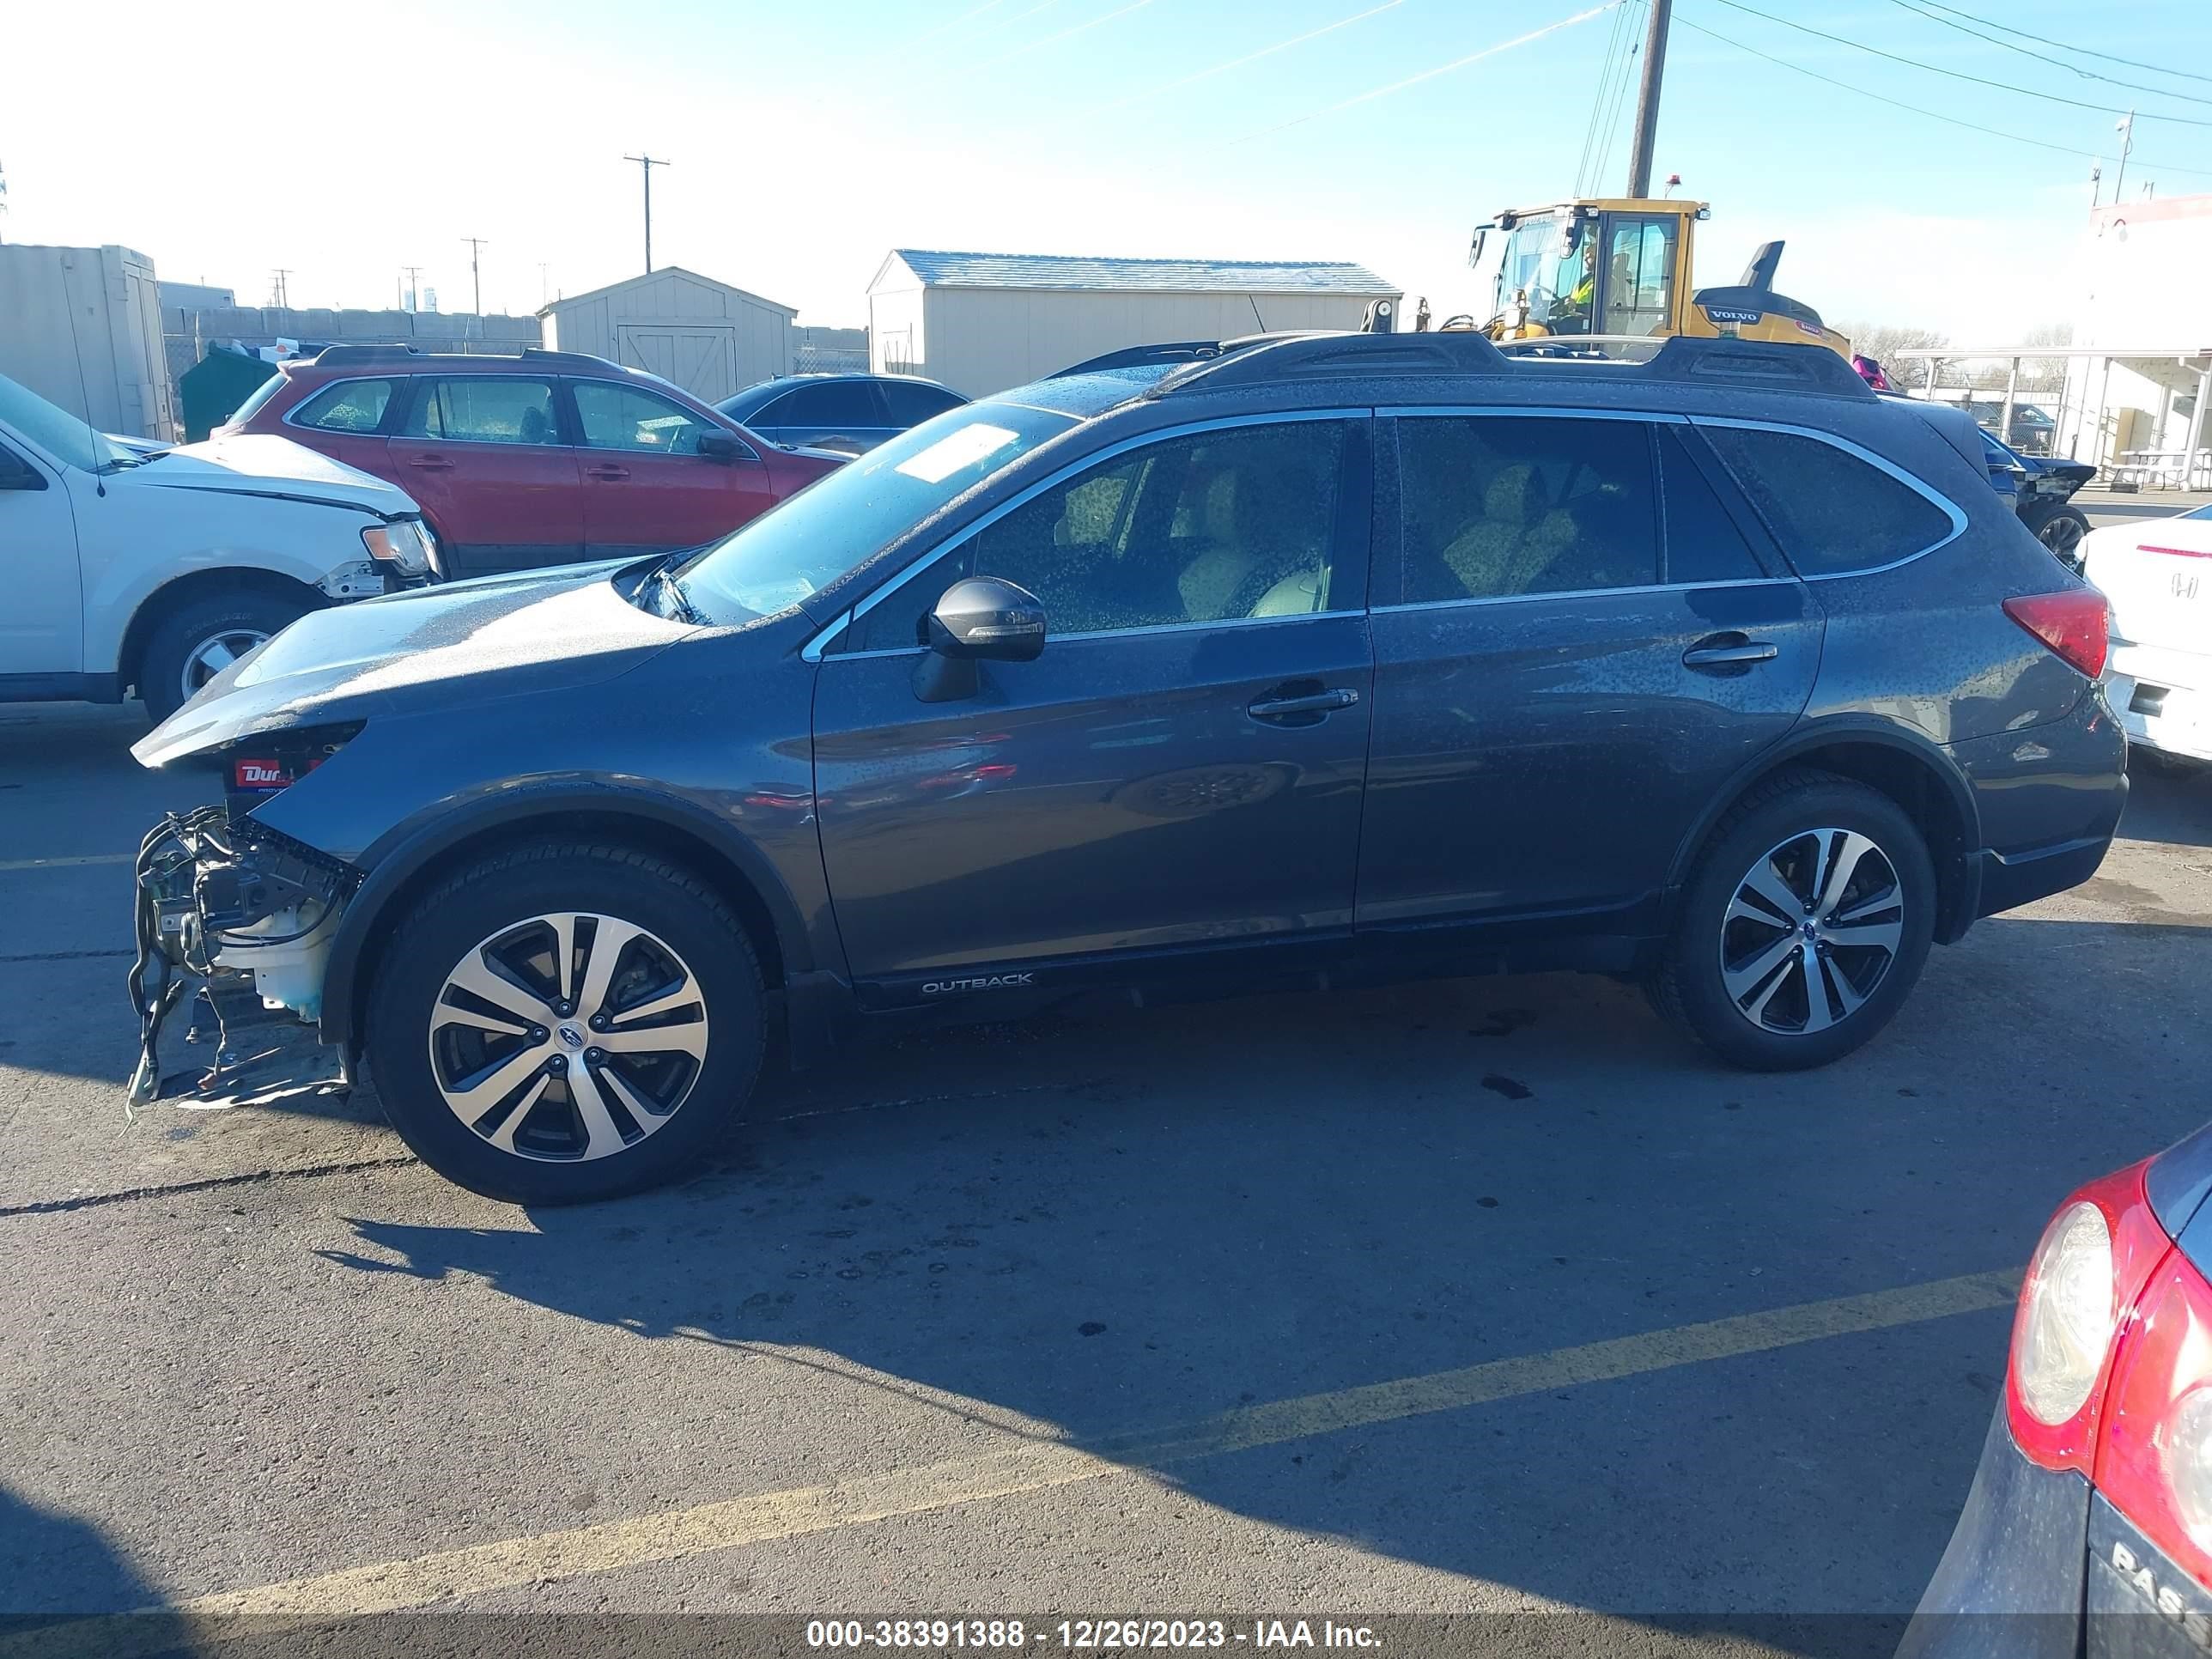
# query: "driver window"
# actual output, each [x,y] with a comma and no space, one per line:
[1212,528]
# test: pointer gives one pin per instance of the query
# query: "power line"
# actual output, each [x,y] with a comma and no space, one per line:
[1610,132]
[2045,57]
[1429,74]
[1915,109]
[2086,52]
[1073,28]
[1961,75]
[1614,41]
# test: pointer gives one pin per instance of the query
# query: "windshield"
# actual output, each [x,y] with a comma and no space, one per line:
[1552,261]
[59,433]
[825,531]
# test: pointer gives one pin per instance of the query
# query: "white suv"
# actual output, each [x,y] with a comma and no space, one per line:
[130,566]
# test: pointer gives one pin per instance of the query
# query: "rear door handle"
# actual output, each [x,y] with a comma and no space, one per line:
[608,471]
[1312,703]
[1730,651]
[430,463]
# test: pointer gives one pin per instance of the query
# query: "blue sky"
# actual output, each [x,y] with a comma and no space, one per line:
[808,139]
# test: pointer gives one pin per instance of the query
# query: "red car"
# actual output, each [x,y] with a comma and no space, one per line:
[2089,1527]
[549,458]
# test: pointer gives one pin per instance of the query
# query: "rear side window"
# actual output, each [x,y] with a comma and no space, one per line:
[1704,543]
[1832,512]
[910,405]
[840,402]
[1501,506]
[347,406]
[504,410]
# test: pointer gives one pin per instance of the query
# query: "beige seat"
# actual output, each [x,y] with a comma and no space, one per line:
[1507,549]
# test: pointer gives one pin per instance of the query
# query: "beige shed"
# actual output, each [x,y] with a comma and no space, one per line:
[707,336]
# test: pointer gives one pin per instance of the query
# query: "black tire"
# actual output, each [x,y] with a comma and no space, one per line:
[2061,529]
[1688,986]
[175,644]
[499,896]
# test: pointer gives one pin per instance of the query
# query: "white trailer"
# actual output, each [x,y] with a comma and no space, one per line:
[81,327]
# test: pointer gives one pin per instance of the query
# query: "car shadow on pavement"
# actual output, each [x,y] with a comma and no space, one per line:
[56,1566]
[2170,807]
[1243,1210]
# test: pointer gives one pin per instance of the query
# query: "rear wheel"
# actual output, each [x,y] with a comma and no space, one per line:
[204,636]
[1803,926]
[559,1023]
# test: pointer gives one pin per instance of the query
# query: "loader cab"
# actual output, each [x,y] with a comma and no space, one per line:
[1615,268]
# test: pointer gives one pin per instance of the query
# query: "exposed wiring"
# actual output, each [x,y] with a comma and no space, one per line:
[2045,57]
[1961,75]
[1933,115]
[1429,74]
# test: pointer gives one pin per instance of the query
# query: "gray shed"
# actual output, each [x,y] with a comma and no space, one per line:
[982,322]
[709,338]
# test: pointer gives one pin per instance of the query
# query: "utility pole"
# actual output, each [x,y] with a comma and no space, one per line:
[646,164]
[1647,98]
[476,275]
[279,296]
[408,302]
[2125,126]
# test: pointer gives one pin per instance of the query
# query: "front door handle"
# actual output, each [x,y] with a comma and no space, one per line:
[1310,703]
[608,471]
[1728,652]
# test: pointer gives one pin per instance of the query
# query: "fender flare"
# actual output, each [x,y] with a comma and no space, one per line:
[395,861]
[1820,733]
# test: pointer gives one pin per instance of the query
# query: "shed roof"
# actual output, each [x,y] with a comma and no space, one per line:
[938,269]
[659,273]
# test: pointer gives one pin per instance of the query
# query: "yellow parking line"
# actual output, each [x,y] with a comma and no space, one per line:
[58,864]
[1023,1467]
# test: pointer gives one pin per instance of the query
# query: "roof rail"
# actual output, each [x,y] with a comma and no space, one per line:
[1259,358]
[399,353]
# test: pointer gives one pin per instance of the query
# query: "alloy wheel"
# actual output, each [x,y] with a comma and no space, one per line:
[2063,535]
[1813,930]
[217,653]
[568,1037]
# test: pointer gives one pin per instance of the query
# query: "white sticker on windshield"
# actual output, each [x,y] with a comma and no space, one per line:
[956,450]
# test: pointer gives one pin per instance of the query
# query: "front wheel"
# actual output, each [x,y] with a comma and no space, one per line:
[204,636]
[562,1023]
[1803,926]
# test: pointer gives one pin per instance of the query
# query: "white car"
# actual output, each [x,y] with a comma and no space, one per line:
[131,566]
[2156,575]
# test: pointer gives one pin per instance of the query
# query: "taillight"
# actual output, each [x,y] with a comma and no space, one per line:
[2073,623]
[2075,1305]
[2155,1461]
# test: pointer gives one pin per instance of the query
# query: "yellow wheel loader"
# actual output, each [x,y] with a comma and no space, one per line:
[1618,267]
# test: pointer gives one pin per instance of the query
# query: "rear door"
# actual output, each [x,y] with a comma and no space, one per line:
[1180,768]
[647,487]
[485,456]
[350,421]
[1580,635]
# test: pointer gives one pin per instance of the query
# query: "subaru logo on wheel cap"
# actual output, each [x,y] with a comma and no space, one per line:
[571,1037]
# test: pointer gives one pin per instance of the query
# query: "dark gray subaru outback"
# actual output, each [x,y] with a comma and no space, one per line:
[1328,656]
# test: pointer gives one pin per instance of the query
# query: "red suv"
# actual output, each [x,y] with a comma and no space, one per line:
[548,458]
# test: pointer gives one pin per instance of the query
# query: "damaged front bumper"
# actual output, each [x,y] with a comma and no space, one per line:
[245,912]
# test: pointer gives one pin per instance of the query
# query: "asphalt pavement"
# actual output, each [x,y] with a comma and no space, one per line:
[1484,1295]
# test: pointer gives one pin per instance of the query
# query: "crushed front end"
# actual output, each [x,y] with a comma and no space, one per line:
[226,902]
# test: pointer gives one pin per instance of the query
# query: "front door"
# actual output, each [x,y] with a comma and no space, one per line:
[1180,768]
[647,487]
[42,625]
[1577,646]
[485,456]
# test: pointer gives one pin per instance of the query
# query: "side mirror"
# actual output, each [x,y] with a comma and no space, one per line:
[981,618]
[724,447]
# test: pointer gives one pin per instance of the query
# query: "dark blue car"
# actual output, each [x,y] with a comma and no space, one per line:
[1326,658]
